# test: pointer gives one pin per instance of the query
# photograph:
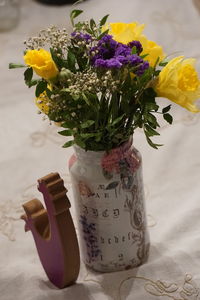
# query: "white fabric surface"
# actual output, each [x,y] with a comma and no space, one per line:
[31,149]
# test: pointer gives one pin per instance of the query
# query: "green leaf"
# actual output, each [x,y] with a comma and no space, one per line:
[157,72]
[168,118]
[74,14]
[103,33]
[89,100]
[69,124]
[75,97]
[40,88]
[157,60]
[152,106]
[65,132]
[152,144]
[92,24]
[166,109]
[137,117]
[150,131]
[134,50]
[58,61]
[28,74]
[15,66]
[151,118]
[79,142]
[125,105]
[79,26]
[88,135]
[89,30]
[163,63]
[127,83]
[32,83]
[68,144]
[150,95]
[103,20]
[71,58]
[117,120]
[143,56]
[87,124]
[114,108]
[48,92]
[98,137]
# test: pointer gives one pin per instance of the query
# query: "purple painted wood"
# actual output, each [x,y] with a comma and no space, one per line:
[53,231]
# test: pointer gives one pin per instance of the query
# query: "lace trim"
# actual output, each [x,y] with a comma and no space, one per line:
[185,290]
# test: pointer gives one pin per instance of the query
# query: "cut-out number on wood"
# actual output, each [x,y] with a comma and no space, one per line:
[53,231]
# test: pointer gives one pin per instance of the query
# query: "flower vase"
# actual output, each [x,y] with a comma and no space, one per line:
[109,202]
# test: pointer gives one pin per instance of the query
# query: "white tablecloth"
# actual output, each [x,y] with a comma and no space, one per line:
[30,149]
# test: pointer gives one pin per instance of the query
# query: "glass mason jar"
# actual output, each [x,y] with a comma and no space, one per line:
[109,202]
[9,14]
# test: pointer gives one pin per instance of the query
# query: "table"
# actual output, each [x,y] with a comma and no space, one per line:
[30,149]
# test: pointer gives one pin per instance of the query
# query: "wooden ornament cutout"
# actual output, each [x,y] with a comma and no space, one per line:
[53,231]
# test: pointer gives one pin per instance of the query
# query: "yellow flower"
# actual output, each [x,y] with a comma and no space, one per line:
[42,63]
[42,103]
[126,33]
[153,50]
[179,82]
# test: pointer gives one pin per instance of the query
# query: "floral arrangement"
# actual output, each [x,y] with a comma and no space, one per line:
[101,82]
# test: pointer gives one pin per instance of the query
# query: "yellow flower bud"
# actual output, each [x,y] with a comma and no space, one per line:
[42,63]
[179,82]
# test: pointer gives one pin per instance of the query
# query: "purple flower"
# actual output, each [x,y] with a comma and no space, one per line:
[108,63]
[142,68]
[136,44]
[81,36]
[122,59]
[123,50]
[134,59]
[99,62]
[107,39]
[113,63]
[110,54]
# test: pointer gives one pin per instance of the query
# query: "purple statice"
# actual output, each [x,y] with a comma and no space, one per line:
[110,54]
[122,50]
[142,68]
[107,39]
[136,44]
[123,59]
[134,59]
[79,36]
[108,63]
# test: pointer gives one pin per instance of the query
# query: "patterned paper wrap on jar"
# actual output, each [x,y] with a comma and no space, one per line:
[109,199]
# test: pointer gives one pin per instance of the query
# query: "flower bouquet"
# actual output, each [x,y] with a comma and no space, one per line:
[99,84]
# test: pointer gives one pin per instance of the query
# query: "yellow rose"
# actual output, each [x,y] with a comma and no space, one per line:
[42,63]
[42,103]
[126,33]
[179,82]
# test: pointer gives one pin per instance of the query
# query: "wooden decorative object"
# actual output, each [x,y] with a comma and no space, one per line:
[53,231]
